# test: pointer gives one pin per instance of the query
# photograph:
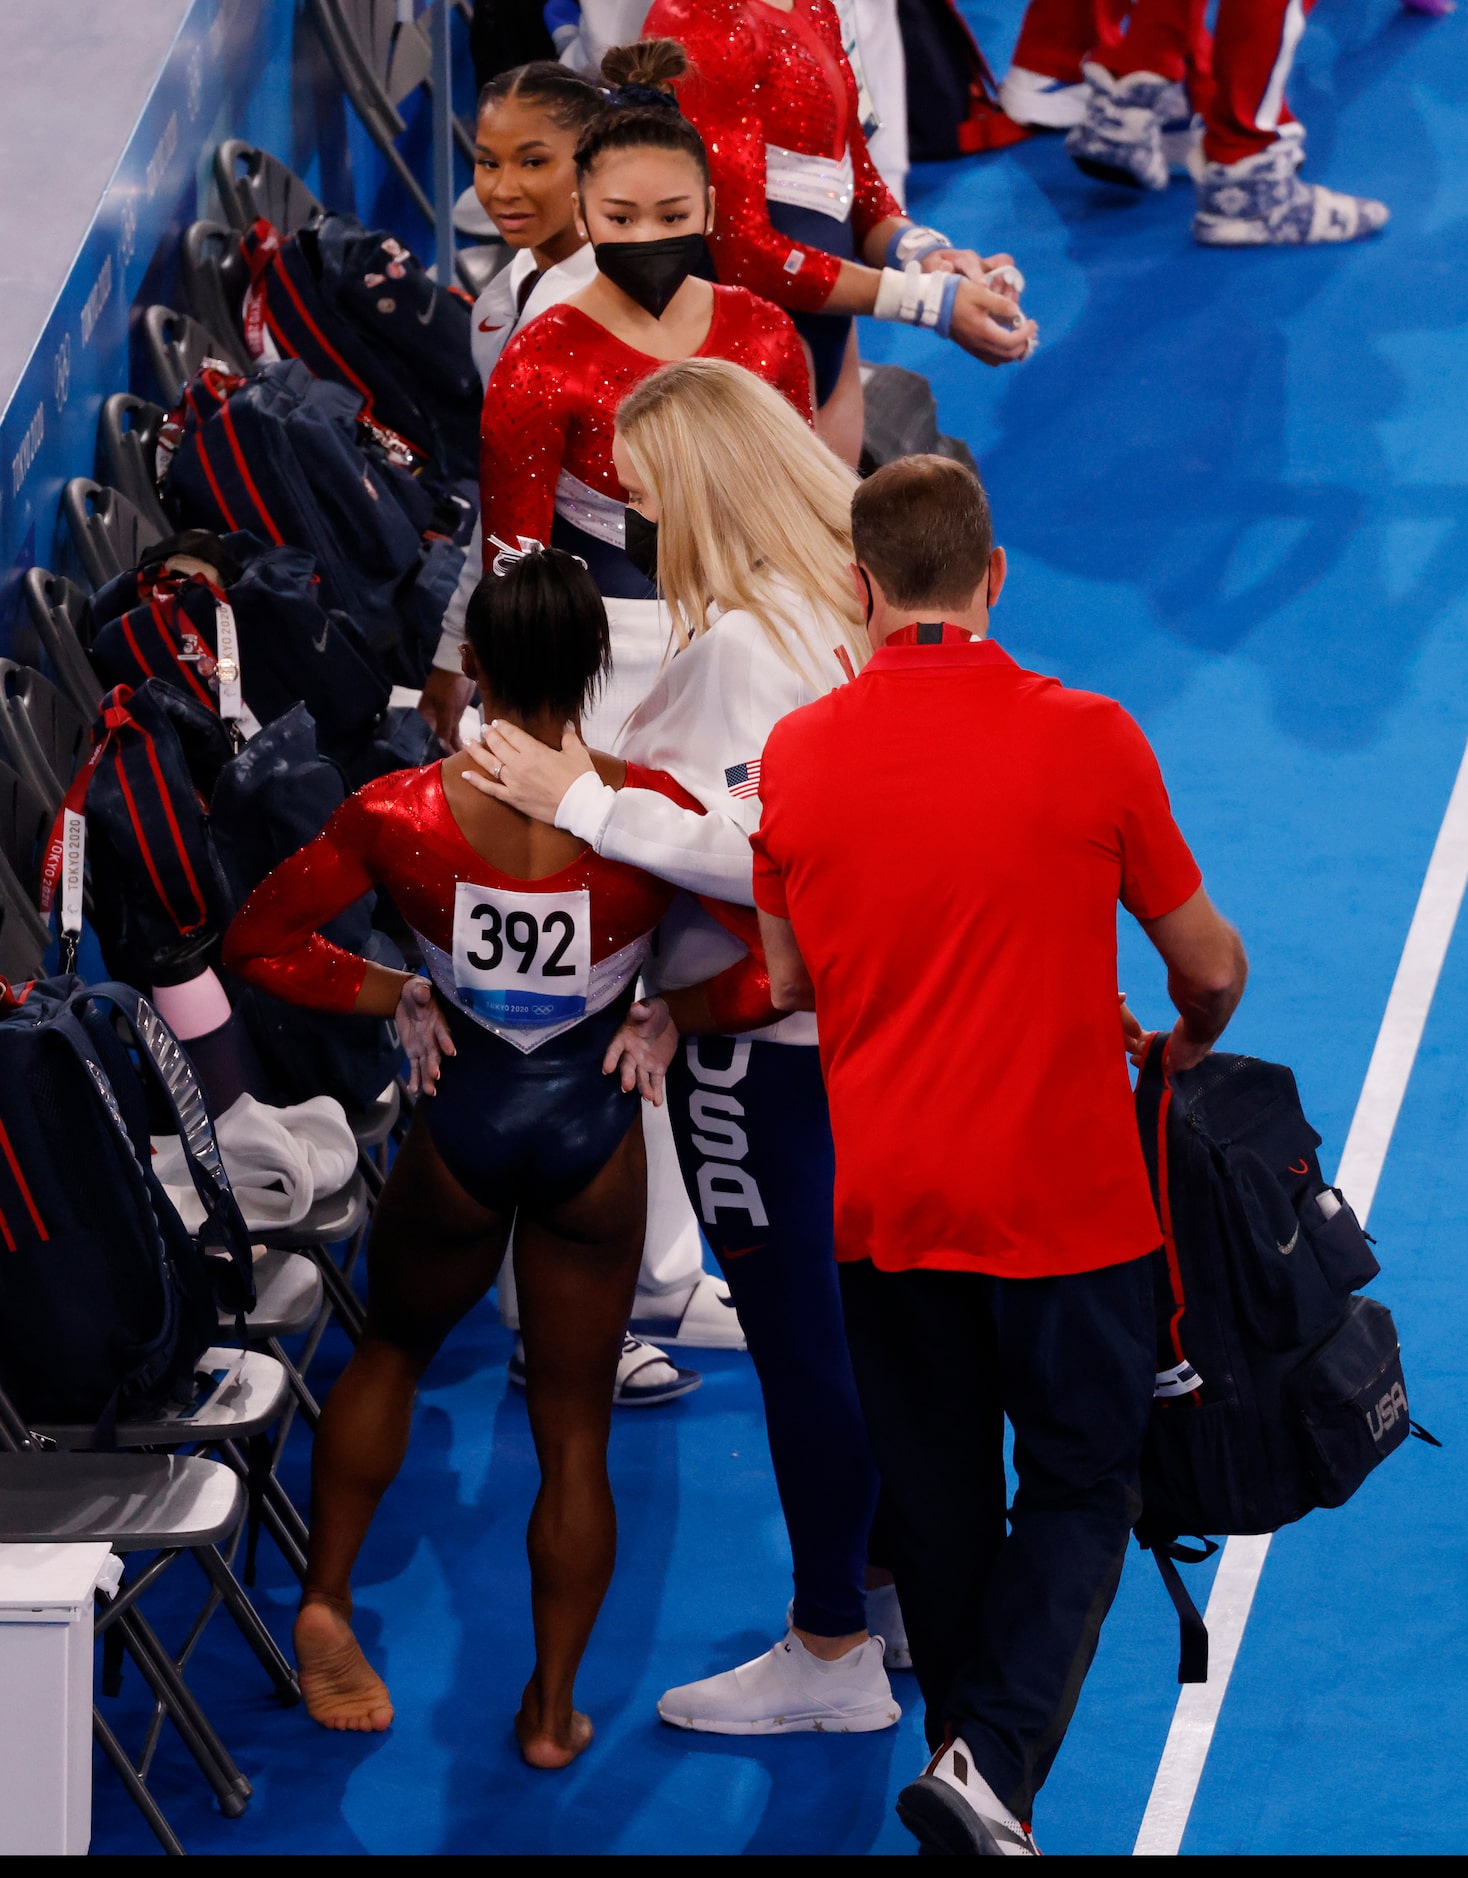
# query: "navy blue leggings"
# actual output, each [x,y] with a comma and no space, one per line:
[754,1142]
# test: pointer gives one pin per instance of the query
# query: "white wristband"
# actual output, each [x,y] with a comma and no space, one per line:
[912,296]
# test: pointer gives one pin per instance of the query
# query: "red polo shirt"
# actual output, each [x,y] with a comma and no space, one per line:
[950,836]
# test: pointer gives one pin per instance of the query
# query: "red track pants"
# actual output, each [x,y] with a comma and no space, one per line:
[1243,103]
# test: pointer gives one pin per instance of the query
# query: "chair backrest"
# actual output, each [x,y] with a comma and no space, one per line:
[177,345]
[380,63]
[24,935]
[109,531]
[42,733]
[253,184]
[55,628]
[25,824]
[214,278]
[127,451]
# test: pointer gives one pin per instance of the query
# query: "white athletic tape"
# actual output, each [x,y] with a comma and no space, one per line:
[1380,1102]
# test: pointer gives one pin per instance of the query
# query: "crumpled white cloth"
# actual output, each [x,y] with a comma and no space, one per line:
[278,1161]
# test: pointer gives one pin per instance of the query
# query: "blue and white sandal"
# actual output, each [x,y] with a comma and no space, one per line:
[645,1377]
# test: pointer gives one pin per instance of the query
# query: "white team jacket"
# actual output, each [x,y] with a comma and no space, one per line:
[496,321]
[705,721]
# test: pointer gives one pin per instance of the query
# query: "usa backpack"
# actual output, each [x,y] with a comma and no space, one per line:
[245,634]
[107,1302]
[284,455]
[358,308]
[1279,1388]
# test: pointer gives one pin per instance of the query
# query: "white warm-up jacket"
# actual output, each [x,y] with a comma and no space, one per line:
[705,721]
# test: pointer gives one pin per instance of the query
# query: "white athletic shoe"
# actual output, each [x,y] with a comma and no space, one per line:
[703,1318]
[951,1809]
[1261,203]
[789,1691]
[884,1619]
[1042,103]
[1120,139]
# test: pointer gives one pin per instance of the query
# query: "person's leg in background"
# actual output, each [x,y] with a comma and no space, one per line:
[1045,87]
[922,1346]
[754,1140]
[1077,1359]
[1144,92]
[1249,192]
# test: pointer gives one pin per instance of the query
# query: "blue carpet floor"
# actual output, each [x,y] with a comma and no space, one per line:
[1234,491]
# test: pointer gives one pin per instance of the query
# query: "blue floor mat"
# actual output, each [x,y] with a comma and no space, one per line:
[1234,493]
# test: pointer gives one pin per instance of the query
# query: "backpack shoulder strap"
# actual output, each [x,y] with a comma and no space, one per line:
[175,1077]
[1192,1661]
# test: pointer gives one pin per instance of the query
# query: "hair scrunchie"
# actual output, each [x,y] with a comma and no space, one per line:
[626,97]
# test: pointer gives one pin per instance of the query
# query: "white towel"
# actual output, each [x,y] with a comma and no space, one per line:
[279,1161]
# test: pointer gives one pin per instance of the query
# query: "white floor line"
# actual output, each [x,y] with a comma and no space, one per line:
[1380,1102]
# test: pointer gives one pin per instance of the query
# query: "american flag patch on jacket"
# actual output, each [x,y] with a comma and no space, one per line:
[743,779]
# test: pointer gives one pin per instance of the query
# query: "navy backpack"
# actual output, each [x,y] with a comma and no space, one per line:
[357,307]
[285,456]
[107,1302]
[1279,1388]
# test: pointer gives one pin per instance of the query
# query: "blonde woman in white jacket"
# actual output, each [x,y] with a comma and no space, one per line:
[749,517]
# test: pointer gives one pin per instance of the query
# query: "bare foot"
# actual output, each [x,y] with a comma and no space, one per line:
[550,1748]
[339,1686]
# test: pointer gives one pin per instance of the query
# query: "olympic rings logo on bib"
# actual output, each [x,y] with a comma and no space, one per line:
[522,958]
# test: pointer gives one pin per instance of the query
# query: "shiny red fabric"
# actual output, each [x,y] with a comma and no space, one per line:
[399,833]
[761,76]
[552,402]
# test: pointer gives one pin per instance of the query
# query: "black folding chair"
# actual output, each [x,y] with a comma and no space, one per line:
[177,345]
[166,1504]
[25,826]
[380,63]
[214,277]
[23,933]
[127,452]
[42,733]
[110,532]
[255,186]
[53,635]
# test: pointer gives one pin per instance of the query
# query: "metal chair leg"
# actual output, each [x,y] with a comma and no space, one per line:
[248,1619]
[137,1791]
[214,1759]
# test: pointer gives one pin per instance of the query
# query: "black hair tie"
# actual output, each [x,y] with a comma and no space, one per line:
[625,97]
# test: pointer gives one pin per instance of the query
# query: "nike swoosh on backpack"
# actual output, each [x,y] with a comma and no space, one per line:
[485,327]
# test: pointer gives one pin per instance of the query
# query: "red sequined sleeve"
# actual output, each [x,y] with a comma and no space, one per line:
[789,367]
[717,98]
[274,941]
[738,996]
[522,436]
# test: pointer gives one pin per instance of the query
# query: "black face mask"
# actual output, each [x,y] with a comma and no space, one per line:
[642,543]
[650,272]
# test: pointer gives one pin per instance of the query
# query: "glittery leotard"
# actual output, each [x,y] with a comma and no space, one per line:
[508,1120]
[550,411]
[762,77]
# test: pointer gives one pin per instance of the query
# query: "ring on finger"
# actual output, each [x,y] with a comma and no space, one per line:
[499,770]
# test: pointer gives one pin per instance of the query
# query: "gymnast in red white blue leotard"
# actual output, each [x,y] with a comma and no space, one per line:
[532,1055]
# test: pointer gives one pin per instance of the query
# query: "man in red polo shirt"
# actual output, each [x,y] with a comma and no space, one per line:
[942,848]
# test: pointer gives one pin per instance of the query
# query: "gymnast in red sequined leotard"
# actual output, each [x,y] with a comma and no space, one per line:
[551,410]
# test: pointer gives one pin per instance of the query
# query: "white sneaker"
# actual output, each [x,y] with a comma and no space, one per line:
[1043,103]
[789,1691]
[703,1318]
[1261,203]
[884,1619]
[951,1809]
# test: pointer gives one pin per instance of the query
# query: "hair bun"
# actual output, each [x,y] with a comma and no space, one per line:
[648,68]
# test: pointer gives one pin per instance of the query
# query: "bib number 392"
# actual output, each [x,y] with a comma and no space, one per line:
[522,958]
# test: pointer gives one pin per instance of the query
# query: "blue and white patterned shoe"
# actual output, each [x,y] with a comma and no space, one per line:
[1261,203]
[1120,138]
